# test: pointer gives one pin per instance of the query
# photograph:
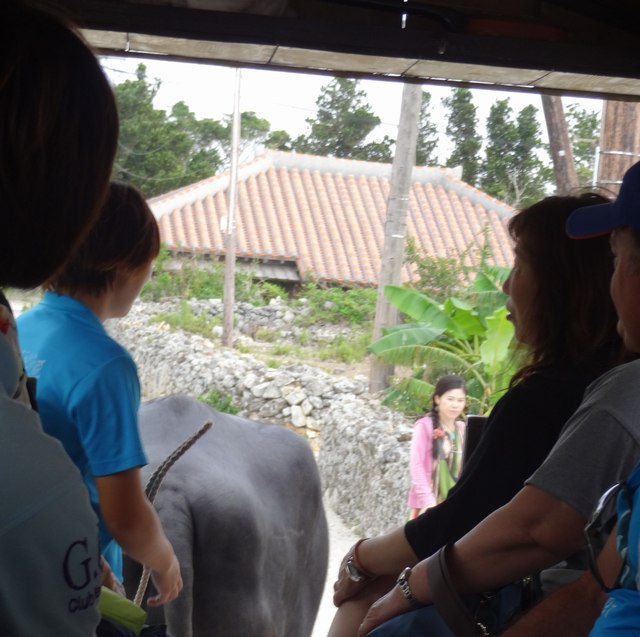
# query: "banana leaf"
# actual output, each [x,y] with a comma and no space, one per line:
[495,350]
[417,306]
[404,336]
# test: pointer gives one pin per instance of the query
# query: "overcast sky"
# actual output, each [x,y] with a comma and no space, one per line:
[286,99]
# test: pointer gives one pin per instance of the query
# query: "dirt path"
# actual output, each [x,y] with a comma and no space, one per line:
[341,539]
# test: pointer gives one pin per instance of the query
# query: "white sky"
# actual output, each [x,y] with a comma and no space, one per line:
[286,99]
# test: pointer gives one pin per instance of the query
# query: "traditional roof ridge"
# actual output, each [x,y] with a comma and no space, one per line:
[439,175]
[163,204]
[328,214]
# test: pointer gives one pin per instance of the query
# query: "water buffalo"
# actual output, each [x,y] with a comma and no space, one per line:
[243,510]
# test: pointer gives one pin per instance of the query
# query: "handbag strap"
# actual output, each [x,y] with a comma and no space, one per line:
[447,600]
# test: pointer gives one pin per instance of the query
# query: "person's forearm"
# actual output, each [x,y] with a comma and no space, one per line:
[534,531]
[386,554]
[132,520]
[569,612]
[144,540]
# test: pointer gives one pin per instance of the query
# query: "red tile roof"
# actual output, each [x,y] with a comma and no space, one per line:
[327,215]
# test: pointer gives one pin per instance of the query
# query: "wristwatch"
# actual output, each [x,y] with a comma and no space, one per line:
[403,583]
[354,573]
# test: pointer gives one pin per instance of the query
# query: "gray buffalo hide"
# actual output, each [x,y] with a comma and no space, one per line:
[244,513]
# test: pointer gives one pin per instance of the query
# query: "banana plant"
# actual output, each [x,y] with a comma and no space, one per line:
[470,337]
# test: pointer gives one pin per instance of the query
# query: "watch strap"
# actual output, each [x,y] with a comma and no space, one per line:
[403,583]
[356,563]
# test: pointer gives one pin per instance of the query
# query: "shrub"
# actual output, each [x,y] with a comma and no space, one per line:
[221,402]
[265,335]
[333,305]
[185,319]
[347,349]
[472,338]
[204,280]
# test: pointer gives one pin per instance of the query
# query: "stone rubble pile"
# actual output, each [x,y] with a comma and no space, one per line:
[363,446]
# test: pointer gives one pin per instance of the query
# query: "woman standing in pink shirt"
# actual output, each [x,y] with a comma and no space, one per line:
[436,446]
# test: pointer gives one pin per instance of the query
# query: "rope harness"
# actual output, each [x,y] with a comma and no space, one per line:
[152,489]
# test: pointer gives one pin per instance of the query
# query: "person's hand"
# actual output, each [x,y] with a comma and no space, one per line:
[168,584]
[392,604]
[109,580]
[344,587]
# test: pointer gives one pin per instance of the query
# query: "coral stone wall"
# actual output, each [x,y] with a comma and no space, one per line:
[363,446]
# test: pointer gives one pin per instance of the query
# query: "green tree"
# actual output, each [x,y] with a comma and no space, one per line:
[153,152]
[502,138]
[254,131]
[442,277]
[436,276]
[203,156]
[462,131]
[160,151]
[533,175]
[512,170]
[342,124]
[427,135]
[278,140]
[584,133]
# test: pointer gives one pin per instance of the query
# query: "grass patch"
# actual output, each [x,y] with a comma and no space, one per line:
[347,349]
[221,402]
[185,319]
[265,335]
[204,280]
[355,306]
[283,349]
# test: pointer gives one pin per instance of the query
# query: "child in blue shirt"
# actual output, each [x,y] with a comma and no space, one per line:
[87,387]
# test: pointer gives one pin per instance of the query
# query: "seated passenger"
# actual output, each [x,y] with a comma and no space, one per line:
[560,306]
[543,524]
[58,135]
[572,611]
[87,384]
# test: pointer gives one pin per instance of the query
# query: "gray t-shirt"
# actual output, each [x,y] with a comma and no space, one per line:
[49,554]
[599,445]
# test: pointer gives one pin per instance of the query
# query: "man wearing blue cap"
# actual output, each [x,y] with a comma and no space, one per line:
[545,522]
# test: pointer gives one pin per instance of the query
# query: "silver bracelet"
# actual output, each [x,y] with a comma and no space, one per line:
[403,583]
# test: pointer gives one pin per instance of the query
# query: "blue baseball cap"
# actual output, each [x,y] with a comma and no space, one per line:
[593,221]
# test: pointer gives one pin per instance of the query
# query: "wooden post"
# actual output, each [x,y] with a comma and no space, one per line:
[619,143]
[560,146]
[396,224]
[229,294]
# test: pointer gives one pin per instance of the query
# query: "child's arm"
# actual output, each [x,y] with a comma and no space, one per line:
[134,524]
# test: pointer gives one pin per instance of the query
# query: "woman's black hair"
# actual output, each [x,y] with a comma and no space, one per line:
[58,138]
[572,315]
[443,385]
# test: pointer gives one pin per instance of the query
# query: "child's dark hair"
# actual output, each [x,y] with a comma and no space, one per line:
[125,238]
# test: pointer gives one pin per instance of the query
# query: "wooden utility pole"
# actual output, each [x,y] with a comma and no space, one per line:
[560,146]
[396,224]
[229,294]
[619,143]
